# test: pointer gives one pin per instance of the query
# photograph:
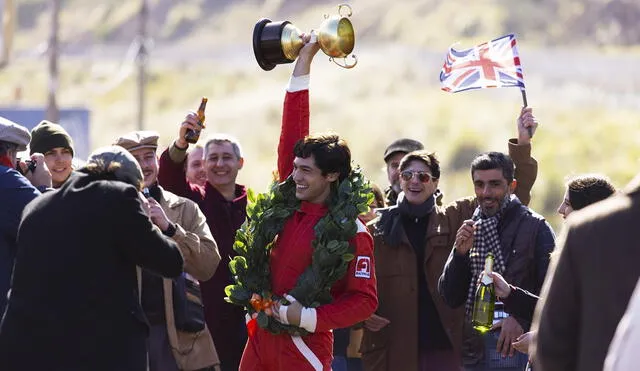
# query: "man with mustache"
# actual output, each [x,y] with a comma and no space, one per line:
[392,156]
[519,239]
[173,344]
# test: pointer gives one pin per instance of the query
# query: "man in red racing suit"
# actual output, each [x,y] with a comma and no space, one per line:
[354,296]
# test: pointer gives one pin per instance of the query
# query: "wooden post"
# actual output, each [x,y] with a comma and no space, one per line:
[53,114]
[141,61]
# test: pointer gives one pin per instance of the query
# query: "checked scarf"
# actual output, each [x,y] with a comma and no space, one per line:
[485,239]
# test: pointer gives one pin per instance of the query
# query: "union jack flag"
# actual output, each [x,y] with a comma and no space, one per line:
[494,64]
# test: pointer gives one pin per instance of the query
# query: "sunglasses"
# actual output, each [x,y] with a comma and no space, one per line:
[423,176]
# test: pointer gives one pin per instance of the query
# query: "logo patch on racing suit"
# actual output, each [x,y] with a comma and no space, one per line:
[363,267]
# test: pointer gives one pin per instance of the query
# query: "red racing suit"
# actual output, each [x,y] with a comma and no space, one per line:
[354,296]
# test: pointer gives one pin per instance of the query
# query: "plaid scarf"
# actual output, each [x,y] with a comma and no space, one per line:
[485,239]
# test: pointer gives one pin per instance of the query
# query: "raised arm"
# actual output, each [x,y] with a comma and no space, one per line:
[295,116]
[520,151]
[172,171]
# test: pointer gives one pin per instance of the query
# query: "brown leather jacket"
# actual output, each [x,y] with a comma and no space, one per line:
[395,347]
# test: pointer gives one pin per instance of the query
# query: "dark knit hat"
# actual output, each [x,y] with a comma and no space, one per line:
[47,136]
[404,145]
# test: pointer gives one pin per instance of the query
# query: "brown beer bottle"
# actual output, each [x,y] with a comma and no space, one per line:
[192,136]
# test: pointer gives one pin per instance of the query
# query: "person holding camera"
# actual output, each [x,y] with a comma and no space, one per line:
[74,301]
[16,191]
[179,338]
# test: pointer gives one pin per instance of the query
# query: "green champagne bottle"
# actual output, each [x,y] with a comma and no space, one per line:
[485,301]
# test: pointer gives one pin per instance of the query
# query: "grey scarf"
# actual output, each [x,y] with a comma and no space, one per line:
[391,227]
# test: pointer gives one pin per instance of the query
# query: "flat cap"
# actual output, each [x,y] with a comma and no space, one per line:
[404,145]
[119,162]
[11,132]
[137,140]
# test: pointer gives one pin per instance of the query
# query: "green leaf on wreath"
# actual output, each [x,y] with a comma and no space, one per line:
[263,319]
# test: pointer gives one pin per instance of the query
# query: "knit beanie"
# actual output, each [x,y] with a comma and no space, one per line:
[47,136]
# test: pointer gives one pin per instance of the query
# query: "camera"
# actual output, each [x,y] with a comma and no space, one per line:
[31,166]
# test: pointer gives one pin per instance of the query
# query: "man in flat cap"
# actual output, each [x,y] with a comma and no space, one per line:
[16,191]
[392,156]
[176,342]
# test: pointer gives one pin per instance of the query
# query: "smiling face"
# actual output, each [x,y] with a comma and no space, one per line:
[417,191]
[148,162]
[222,164]
[196,174]
[58,161]
[491,189]
[311,185]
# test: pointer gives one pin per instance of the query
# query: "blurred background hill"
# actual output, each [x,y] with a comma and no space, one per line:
[580,60]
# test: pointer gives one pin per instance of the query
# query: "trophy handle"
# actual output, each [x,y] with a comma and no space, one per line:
[350,12]
[345,65]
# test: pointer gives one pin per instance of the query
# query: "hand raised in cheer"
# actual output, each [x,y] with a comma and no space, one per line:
[527,125]
[190,123]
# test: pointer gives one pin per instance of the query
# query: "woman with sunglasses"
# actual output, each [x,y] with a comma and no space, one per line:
[413,328]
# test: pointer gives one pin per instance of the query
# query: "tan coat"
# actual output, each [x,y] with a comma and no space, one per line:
[589,284]
[201,257]
[395,347]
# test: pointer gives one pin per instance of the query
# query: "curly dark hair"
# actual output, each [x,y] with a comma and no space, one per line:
[330,152]
[583,190]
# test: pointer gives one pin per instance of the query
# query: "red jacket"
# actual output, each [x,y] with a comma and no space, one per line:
[355,297]
[224,320]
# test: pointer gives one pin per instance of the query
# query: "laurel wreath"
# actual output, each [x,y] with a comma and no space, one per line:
[266,215]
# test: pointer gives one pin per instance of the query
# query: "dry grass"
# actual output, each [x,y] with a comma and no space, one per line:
[589,115]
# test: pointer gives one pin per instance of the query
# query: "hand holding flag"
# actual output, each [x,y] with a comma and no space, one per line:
[493,64]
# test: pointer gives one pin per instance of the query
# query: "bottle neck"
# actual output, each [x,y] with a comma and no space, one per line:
[488,269]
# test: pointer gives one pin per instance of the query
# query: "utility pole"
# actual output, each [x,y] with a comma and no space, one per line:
[53,113]
[7,19]
[141,61]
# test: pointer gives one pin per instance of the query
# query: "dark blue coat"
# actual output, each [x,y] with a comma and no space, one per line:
[15,193]
[74,301]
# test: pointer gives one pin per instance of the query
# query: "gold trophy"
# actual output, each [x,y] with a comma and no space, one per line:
[279,42]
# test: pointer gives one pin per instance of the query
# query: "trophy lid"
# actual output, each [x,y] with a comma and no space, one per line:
[257,49]
[267,44]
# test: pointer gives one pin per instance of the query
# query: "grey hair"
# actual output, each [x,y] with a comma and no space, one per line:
[220,138]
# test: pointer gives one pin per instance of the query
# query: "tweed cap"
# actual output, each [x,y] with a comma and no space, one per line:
[137,140]
[11,132]
[404,145]
[117,160]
